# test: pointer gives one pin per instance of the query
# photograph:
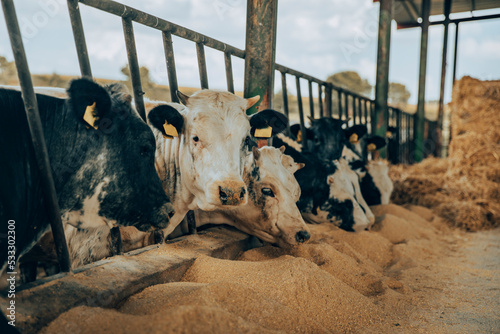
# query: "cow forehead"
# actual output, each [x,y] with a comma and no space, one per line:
[271,165]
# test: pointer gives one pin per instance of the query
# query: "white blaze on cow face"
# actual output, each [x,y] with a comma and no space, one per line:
[379,171]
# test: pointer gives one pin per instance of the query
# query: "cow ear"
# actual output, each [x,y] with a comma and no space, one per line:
[300,165]
[89,101]
[294,130]
[267,123]
[375,143]
[183,98]
[355,133]
[167,120]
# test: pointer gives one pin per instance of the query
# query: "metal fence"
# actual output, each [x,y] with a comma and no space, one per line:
[350,105]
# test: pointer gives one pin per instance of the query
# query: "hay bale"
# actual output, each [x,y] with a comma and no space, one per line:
[464,189]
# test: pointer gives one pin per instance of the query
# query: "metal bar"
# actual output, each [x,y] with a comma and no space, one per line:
[382,77]
[202,65]
[439,127]
[284,93]
[373,121]
[354,111]
[420,114]
[301,114]
[79,37]
[339,103]
[133,65]
[398,136]
[154,22]
[170,59]
[366,112]
[311,101]
[260,48]
[455,54]
[454,21]
[229,72]
[320,100]
[328,100]
[37,135]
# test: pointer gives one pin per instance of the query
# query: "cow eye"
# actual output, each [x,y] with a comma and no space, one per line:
[196,139]
[267,192]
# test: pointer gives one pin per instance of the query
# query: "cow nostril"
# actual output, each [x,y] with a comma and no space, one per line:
[302,236]
[242,193]
[222,194]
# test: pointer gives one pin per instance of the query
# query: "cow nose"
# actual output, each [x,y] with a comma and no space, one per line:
[232,195]
[302,236]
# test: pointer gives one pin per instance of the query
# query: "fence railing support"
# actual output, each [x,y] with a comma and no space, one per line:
[419,129]
[382,76]
[260,51]
[79,36]
[37,135]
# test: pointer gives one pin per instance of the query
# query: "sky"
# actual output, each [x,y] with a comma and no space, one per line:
[317,37]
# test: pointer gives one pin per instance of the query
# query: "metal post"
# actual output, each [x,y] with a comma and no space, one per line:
[320,99]
[382,78]
[284,93]
[419,126]
[301,114]
[202,65]
[455,54]
[170,59]
[260,48]
[79,36]
[37,136]
[229,72]
[311,101]
[133,65]
[439,127]
[328,101]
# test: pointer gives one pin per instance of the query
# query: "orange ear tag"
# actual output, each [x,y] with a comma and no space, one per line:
[263,133]
[90,116]
[170,131]
[388,134]
[299,136]
[371,147]
[354,138]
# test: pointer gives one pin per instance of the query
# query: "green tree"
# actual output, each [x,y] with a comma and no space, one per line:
[398,94]
[352,81]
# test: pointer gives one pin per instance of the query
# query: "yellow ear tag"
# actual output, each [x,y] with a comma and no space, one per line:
[388,134]
[371,147]
[170,131]
[299,136]
[90,116]
[354,138]
[263,133]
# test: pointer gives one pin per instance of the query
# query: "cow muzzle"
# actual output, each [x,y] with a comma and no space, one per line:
[228,193]
[302,236]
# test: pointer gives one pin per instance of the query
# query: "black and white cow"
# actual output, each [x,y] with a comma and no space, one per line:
[328,191]
[103,166]
[376,186]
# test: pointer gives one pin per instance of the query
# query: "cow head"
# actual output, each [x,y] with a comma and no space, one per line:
[271,213]
[325,138]
[115,180]
[214,133]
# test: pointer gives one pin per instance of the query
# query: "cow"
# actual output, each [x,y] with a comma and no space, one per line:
[102,159]
[271,213]
[201,164]
[327,192]
[376,185]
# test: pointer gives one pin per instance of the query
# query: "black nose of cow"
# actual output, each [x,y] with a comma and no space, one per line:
[232,196]
[302,236]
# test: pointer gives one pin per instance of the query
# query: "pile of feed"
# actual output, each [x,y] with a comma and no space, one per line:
[464,188]
[340,282]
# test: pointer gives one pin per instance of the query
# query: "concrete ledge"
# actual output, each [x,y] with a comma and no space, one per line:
[108,282]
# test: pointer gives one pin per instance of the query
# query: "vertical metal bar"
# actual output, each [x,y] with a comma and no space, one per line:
[373,121]
[79,37]
[320,100]
[301,114]
[366,112]
[339,98]
[455,54]
[311,101]
[420,114]
[439,127]
[170,59]
[133,65]
[37,135]
[382,78]
[260,51]
[229,72]
[202,65]
[328,101]
[398,136]
[284,92]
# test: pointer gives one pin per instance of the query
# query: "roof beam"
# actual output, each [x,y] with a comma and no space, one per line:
[454,21]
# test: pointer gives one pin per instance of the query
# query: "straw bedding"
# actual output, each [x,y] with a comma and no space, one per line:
[464,188]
